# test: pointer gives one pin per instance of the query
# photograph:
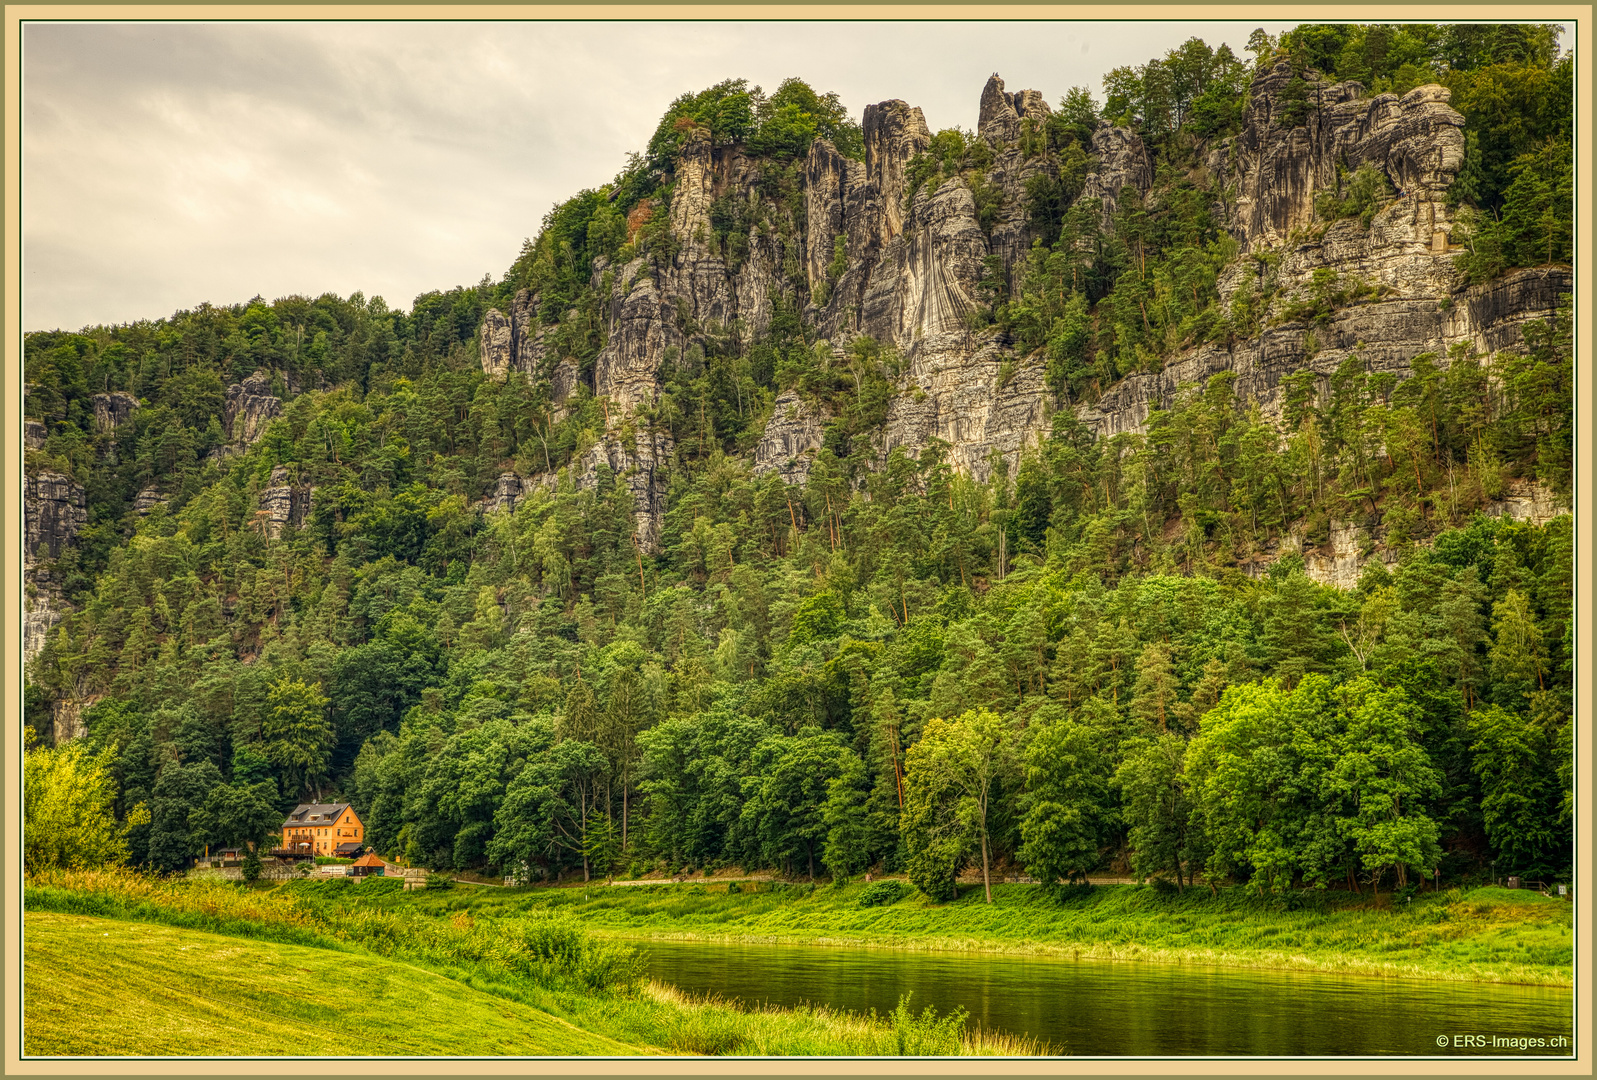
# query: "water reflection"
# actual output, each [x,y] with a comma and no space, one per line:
[1120,1009]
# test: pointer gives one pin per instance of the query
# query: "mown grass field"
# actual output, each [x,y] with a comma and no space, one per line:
[113,987]
[1485,934]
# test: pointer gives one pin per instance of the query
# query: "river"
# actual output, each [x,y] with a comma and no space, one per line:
[1102,1008]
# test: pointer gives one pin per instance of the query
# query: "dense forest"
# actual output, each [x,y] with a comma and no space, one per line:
[1099,658]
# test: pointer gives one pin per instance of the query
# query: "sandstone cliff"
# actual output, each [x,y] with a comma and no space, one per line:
[911,277]
[282,504]
[1417,142]
[250,406]
[55,510]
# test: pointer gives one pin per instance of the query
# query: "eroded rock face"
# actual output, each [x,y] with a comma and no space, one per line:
[1527,500]
[1417,141]
[113,410]
[641,324]
[506,492]
[249,408]
[33,434]
[56,511]
[999,121]
[894,133]
[912,274]
[977,402]
[1123,162]
[513,342]
[67,721]
[637,463]
[146,500]
[283,503]
[791,439]
[494,343]
[39,617]
[1351,547]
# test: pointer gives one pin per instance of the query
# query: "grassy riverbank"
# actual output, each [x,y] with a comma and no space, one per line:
[1485,934]
[180,992]
[444,971]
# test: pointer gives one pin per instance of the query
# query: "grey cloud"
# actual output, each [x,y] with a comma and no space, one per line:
[170,164]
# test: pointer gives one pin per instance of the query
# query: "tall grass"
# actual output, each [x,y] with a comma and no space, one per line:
[549,948]
[708,1025]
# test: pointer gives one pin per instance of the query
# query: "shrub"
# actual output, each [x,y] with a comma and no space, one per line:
[708,1032]
[882,893]
[926,1035]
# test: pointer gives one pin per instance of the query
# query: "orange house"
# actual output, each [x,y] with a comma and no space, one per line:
[319,828]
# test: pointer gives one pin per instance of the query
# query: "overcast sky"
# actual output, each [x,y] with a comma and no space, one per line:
[168,165]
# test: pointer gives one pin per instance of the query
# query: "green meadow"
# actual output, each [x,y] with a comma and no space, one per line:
[178,991]
[224,961]
[1485,934]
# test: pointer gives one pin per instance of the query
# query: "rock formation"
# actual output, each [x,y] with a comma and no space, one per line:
[55,509]
[911,278]
[637,463]
[1417,141]
[282,504]
[146,500]
[249,407]
[913,269]
[111,411]
[1122,162]
[790,440]
[514,342]
[506,493]
[1001,114]
[33,434]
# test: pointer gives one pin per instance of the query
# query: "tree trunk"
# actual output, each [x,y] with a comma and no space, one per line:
[986,881]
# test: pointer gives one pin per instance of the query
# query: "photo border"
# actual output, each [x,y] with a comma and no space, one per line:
[11,455]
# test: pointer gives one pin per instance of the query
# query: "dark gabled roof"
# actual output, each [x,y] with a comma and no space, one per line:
[348,848]
[316,814]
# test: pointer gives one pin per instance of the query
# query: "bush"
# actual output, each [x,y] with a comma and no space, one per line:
[1359,195]
[440,881]
[934,867]
[882,893]
[926,1035]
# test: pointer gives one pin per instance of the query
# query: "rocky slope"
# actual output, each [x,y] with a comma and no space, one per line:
[1417,141]
[56,508]
[910,279]
[912,269]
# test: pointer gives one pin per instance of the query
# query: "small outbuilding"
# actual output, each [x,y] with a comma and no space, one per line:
[367,865]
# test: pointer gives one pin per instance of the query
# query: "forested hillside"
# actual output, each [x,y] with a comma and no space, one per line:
[673,547]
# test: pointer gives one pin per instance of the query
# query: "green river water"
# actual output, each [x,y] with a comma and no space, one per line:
[1101,1008]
